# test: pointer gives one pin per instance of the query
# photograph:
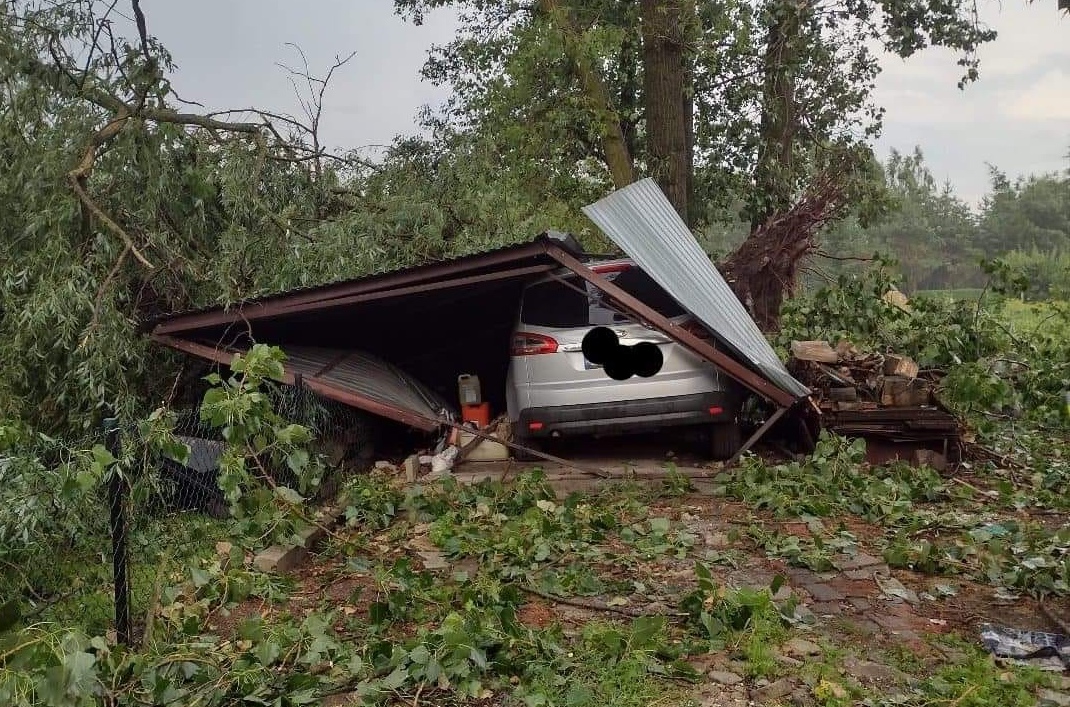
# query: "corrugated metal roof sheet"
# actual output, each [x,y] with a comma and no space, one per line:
[640,219]
[365,375]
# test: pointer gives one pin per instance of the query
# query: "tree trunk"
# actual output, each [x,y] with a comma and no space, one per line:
[618,159]
[773,174]
[667,93]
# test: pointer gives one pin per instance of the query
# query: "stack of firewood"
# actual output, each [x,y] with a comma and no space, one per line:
[844,378]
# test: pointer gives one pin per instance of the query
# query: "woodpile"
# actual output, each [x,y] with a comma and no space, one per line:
[885,398]
[844,378]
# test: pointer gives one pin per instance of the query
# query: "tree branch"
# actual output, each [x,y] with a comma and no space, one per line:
[78,176]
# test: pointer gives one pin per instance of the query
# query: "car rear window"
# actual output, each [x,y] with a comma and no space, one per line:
[553,304]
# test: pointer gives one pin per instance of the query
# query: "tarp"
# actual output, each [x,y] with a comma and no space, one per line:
[642,222]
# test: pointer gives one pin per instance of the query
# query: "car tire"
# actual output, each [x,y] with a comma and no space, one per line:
[725,440]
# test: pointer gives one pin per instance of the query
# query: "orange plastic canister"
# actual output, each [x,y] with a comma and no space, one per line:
[479,414]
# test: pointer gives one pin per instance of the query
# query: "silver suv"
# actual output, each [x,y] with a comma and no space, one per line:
[553,389]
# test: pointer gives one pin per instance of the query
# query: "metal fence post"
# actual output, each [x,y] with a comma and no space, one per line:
[117,497]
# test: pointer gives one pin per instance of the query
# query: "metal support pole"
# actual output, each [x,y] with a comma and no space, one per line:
[117,498]
[757,435]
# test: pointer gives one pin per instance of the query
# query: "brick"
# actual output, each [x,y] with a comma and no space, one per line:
[827,608]
[823,592]
[857,562]
[853,587]
[860,604]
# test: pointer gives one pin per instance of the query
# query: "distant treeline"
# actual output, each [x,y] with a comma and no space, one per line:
[938,241]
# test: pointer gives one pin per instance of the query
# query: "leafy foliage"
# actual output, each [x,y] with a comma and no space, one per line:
[833,481]
[266,466]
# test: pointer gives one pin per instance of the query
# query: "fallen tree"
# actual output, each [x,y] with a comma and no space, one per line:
[764,269]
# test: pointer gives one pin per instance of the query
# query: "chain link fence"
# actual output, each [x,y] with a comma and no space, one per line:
[83,545]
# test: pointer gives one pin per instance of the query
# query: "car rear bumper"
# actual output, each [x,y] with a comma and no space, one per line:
[627,415]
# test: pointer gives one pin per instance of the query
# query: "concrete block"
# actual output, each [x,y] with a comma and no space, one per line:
[278,559]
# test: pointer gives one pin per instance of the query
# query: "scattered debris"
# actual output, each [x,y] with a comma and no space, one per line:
[894,589]
[412,468]
[433,560]
[888,380]
[885,398]
[442,463]
[1046,651]
[1051,698]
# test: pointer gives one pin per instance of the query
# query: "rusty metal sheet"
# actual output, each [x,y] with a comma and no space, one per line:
[363,374]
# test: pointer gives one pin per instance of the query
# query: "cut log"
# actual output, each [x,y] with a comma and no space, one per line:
[903,366]
[819,351]
[845,349]
[899,391]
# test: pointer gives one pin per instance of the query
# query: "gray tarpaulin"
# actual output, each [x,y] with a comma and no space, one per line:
[640,219]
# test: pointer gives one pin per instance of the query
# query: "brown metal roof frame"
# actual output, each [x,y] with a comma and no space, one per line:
[416,279]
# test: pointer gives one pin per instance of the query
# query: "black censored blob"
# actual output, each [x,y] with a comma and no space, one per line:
[619,367]
[647,359]
[600,345]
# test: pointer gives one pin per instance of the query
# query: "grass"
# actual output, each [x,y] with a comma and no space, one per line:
[956,295]
[1032,317]
[979,682]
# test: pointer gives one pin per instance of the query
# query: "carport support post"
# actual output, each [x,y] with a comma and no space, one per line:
[117,500]
[758,434]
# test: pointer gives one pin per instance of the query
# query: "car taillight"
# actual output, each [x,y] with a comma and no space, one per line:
[528,344]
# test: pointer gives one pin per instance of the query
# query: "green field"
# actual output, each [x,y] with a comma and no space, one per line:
[956,295]
[1032,317]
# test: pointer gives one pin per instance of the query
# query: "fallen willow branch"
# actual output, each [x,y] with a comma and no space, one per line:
[594,605]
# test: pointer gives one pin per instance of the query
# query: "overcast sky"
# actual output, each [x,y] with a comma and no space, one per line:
[1016,117]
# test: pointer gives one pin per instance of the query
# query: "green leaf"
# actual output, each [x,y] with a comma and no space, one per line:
[199,576]
[396,679]
[267,652]
[102,458]
[288,495]
[297,460]
[80,667]
[420,655]
[644,630]
[659,525]
[478,657]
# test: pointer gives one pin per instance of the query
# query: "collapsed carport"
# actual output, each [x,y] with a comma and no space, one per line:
[437,321]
